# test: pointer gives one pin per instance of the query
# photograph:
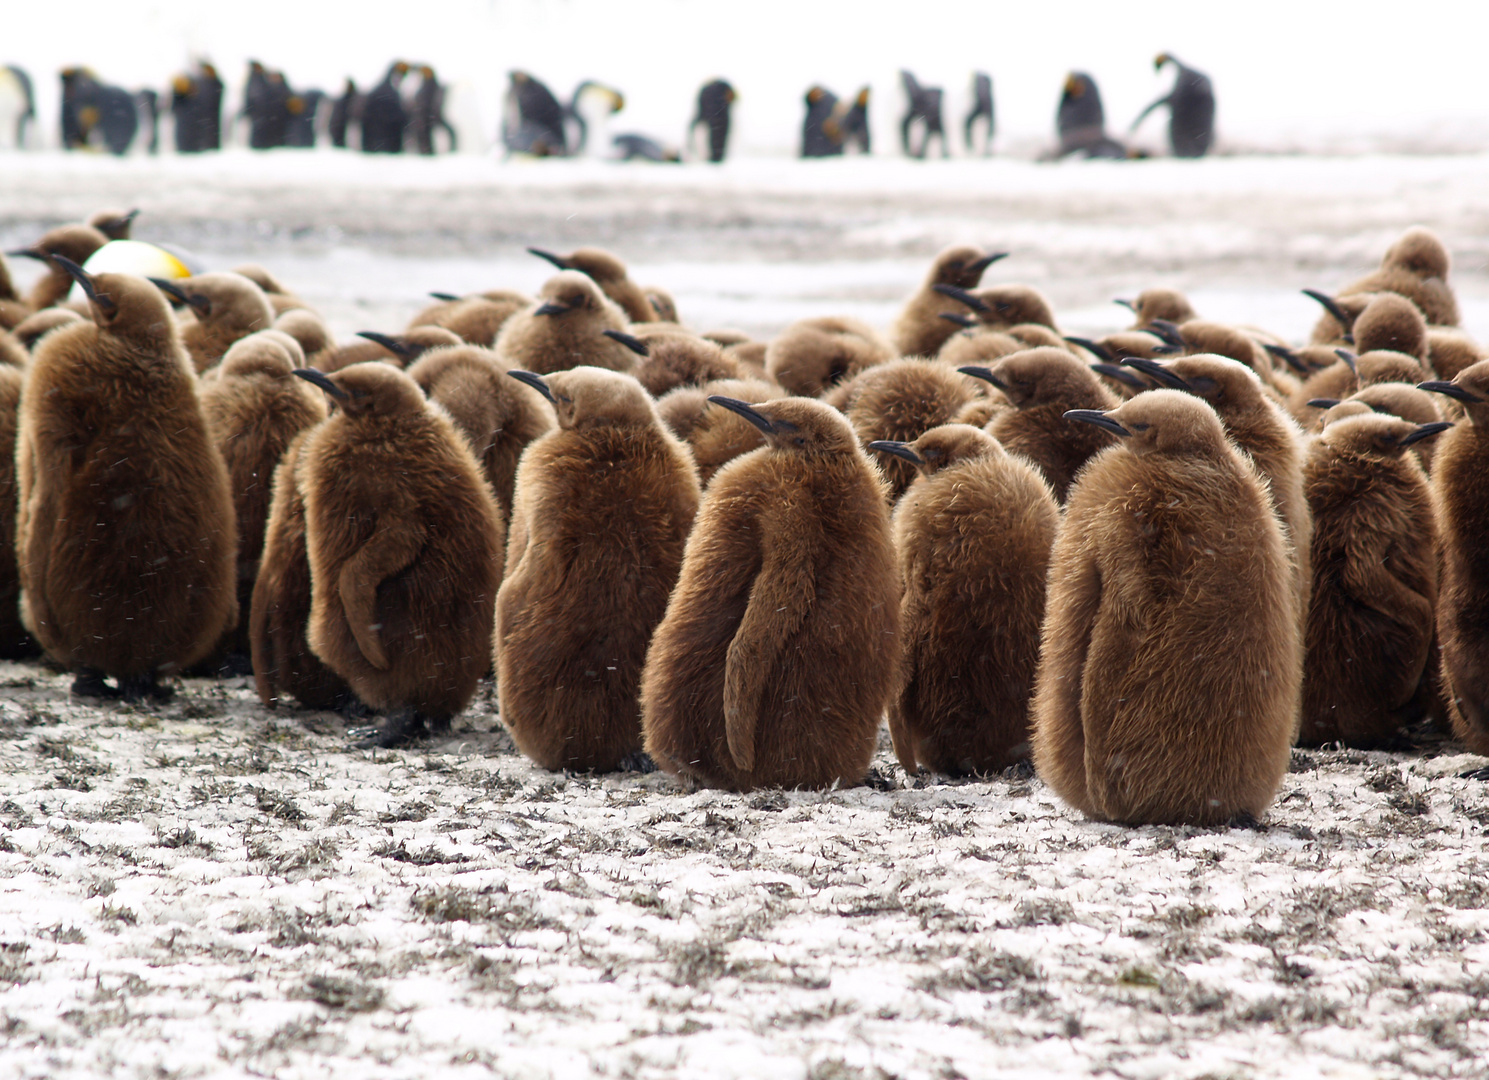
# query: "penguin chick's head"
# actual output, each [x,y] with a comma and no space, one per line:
[1377,435]
[1419,251]
[75,242]
[122,304]
[370,389]
[586,397]
[1470,387]
[962,266]
[569,292]
[1159,421]
[1034,376]
[796,425]
[941,446]
[268,352]
[1391,322]
[595,263]
[224,297]
[1218,379]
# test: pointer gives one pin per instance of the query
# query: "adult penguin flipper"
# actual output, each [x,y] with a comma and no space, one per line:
[1166,99]
[393,547]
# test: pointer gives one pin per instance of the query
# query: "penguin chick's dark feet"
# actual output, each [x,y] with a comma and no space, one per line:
[399,728]
[638,761]
[90,683]
[144,688]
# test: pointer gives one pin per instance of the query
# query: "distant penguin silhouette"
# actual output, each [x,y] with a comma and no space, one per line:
[427,116]
[196,110]
[852,124]
[610,274]
[604,506]
[17,93]
[97,114]
[564,329]
[821,130]
[533,120]
[384,117]
[301,127]
[715,104]
[815,355]
[920,329]
[923,112]
[266,106]
[982,110]
[776,658]
[1170,660]
[973,536]
[1191,106]
[346,112]
[1080,121]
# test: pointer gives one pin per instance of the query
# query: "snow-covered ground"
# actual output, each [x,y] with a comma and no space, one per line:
[210,889]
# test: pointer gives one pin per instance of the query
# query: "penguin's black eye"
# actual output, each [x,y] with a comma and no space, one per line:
[799,441]
[1141,427]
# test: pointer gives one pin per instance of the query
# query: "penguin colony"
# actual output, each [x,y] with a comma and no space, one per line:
[1149,564]
[391,118]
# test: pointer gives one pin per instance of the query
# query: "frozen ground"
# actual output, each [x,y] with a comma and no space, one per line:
[208,888]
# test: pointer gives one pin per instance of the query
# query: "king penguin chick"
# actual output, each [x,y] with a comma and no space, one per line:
[973,536]
[668,361]
[1043,385]
[399,350]
[310,331]
[610,274]
[1416,266]
[715,434]
[1371,618]
[604,507]
[1391,399]
[1461,498]
[902,400]
[76,243]
[12,352]
[405,544]
[920,331]
[1449,351]
[497,415]
[280,298]
[14,641]
[114,224]
[477,319]
[564,329]
[37,325]
[224,307]
[1170,659]
[254,408]
[778,653]
[13,310]
[814,355]
[126,539]
[1170,305]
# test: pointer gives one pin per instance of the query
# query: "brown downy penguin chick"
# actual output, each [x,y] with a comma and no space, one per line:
[1043,385]
[564,329]
[1002,307]
[1370,619]
[114,223]
[280,298]
[13,310]
[1336,325]
[310,331]
[1349,374]
[497,415]
[814,355]
[662,303]
[715,434]
[609,273]
[1170,662]
[1391,323]
[254,408]
[977,344]
[973,536]
[405,543]
[1199,337]
[902,400]
[1450,350]
[75,243]
[1391,399]
[1416,266]
[224,307]
[672,360]
[750,356]
[920,330]
[34,327]
[1169,305]
[1461,499]
[279,621]
[778,653]
[476,320]
[604,507]
[15,642]
[727,336]
[399,350]
[126,539]
[12,352]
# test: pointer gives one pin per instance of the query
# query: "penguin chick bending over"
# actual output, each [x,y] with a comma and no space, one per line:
[1170,663]
[812,356]
[405,544]
[973,536]
[610,274]
[565,329]
[604,506]
[778,653]
[920,330]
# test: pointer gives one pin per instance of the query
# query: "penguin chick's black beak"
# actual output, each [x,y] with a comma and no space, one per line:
[898,449]
[1322,402]
[1449,389]
[743,409]
[1095,348]
[321,379]
[1332,307]
[1166,332]
[961,296]
[1288,357]
[964,321]
[29,253]
[199,304]
[81,276]
[1126,378]
[1098,418]
[535,381]
[1130,305]
[553,309]
[448,298]
[977,266]
[1426,431]
[557,260]
[985,375]
[1157,371]
[1349,360]
[398,348]
[635,344]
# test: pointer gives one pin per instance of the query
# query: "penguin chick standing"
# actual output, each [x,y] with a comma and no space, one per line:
[1170,660]
[610,274]
[126,539]
[715,434]
[405,544]
[604,506]
[973,536]
[777,656]
[920,331]
[224,307]
[565,329]
[1371,618]
[76,243]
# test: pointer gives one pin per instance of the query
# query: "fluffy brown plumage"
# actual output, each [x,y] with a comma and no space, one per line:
[564,329]
[476,319]
[604,506]
[901,401]
[920,330]
[1169,667]
[126,539]
[1170,305]
[73,242]
[1392,399]
[610,274]
[34,327]
[313,335]
[715,435]
[1349,375]
[777,655]
[221,308]
[674,360]
[814,355]
[14,640]
[399,350]
[973,536]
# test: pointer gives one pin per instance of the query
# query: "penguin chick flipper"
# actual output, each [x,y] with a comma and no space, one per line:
[1368,581]
[391,548]
[779,602]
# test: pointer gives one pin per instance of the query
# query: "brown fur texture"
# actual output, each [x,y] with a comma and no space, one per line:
[565,328]
[283,663]
[1393,324]
[604,507]
[1450,350]
[126,538]
[75,242]
[223,308]
[1170,662]
[727,336]
[307,328]
[973,537]
[675,360]
[662,302]
[13,310]
[405,544]
[476,319]
[1043,384]
[750,355]
[715,435]
[34,327]
[1218,339]
[1002,307]
[1461,497]
[1416,266]
[777,656]
[1342,380]
[1392,399]
[497,414]
[263,279]
[920,330]
[901,401]
[814,355]
[12,352]
[1168,304]
[1370,620]
[14,640]
[979,346]
[610,274]
[113,223]
[405,348]
[254,407]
